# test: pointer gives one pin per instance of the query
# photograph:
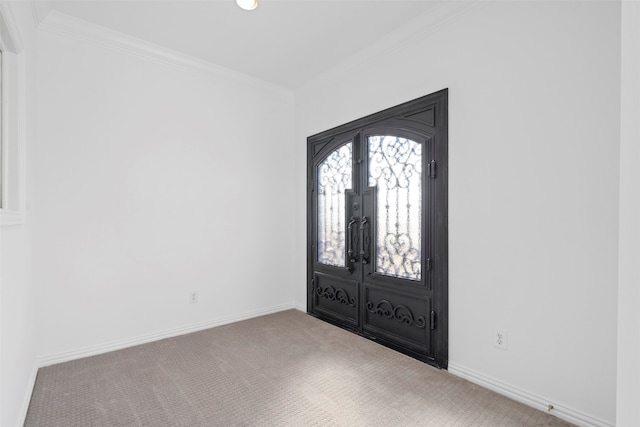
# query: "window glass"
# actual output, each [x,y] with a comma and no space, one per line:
[395,170]
[334,178]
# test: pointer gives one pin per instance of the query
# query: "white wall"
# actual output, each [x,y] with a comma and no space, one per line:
[534,92]
[127,148]
[153,181]
[17,325]
[628,390]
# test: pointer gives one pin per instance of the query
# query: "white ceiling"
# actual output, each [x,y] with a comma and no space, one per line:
[286,42]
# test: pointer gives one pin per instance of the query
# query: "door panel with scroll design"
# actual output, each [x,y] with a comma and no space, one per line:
[377,227]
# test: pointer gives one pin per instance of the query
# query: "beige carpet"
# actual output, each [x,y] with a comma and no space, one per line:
[285,369]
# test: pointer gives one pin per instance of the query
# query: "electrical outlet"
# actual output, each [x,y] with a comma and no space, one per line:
[193,297]
[500,339]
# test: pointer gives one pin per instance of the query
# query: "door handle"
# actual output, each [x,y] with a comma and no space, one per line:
[352,242]
[365,239]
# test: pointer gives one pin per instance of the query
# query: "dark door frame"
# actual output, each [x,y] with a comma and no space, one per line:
[433,107]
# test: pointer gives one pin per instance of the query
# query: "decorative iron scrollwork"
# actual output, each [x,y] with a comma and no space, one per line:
[334,179]
[400,312]
[339,295]
[395,169]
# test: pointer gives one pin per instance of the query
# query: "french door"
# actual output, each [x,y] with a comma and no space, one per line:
[377,227]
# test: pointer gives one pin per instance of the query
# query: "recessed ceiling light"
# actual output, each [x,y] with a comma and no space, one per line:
[247,4]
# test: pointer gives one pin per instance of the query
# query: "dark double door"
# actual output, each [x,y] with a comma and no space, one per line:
[377,227]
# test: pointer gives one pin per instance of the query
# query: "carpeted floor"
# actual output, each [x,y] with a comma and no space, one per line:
[284,369]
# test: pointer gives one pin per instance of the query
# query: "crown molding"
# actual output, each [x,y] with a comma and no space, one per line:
[39,10]
[71,27]
[421,27]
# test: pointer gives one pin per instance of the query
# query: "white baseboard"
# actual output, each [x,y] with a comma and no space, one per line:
[53,359]
[22,417]
[300,307]
[568,414]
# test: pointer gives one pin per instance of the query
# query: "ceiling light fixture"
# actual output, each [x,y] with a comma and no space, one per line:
[247,4]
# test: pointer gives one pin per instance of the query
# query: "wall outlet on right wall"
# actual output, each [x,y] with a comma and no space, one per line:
[500,339]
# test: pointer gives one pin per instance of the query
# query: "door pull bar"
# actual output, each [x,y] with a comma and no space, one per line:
[365,239]
[352,243]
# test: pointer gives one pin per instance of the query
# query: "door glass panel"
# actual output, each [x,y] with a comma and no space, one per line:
[395,169]
[334,178]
